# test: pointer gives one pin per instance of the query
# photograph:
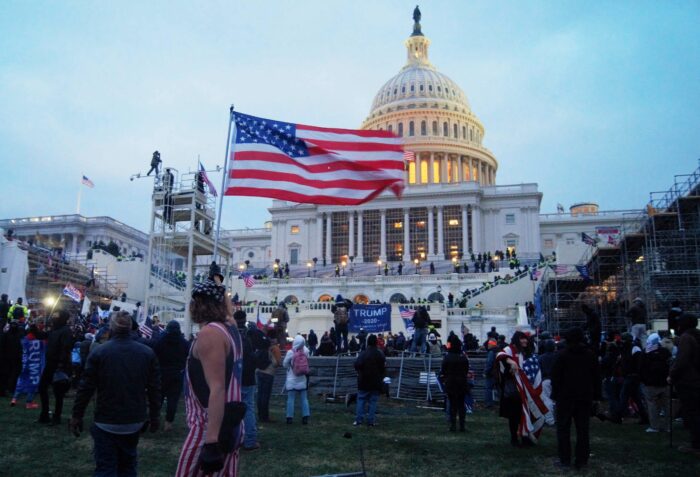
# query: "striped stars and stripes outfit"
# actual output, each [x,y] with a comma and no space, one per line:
[308,164]
[197,417]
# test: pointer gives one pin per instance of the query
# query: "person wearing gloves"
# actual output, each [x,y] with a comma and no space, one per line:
[296,362]
[213,388]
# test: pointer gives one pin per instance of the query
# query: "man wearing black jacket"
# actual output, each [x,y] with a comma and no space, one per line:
[370,366]
[172,350]
[250,440]
[575,385]
[125,374]
[58,365]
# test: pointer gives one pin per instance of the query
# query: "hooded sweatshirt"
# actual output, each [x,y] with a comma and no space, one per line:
[294,382]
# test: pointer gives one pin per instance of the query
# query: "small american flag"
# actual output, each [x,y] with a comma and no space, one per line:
[248,279]
[88,182]
[72,292]
[409,156]
[205,178]
[146,329]
[406,313]
[561,269]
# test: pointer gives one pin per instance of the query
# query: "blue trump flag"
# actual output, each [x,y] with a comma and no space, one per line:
[373,318]
[33,359]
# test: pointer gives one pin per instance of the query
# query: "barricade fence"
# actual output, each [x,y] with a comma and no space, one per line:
[414,376]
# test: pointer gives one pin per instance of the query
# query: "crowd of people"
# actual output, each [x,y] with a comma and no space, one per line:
[228,372]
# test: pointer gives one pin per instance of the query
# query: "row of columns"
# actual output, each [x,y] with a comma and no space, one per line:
[486,174]
[432,252]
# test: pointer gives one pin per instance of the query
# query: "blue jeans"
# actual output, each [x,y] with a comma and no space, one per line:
[419,336]
[251,430]
[370,399]
[488,392]
[291,395]
[115,454]
[265,382]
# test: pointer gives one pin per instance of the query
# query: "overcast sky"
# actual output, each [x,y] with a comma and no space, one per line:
[594,101]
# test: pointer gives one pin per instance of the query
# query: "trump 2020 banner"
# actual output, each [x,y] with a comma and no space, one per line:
[33,356]
[373,318]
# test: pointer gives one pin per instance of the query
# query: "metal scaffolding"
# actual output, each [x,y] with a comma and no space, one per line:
[181,243]
[656,259]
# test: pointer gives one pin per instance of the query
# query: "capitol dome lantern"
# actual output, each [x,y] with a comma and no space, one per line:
[432,114]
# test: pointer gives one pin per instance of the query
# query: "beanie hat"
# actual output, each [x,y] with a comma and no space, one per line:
[173,326]
[120,323]
[372,340]
[208,289]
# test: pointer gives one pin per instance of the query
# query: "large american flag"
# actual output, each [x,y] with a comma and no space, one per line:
[310,164]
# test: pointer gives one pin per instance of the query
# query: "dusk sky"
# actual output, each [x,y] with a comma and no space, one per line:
[595,101]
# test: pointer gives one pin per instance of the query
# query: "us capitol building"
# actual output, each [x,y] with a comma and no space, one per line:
[451,206]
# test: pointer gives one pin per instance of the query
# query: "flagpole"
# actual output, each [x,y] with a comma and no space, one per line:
[223,184]
[80,191]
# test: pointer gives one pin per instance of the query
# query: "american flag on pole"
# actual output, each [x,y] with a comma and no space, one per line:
[205,178]
[73,293]
[406,313]
[146,328]
[314,165]
[561,269]
[88,182]
[248,279]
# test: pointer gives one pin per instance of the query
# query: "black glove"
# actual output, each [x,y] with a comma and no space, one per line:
[76,426]
[211,459]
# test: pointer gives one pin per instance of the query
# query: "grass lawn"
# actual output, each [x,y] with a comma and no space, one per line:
[406,442]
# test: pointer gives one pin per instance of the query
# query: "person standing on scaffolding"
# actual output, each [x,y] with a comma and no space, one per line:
[168,182]
[155,163]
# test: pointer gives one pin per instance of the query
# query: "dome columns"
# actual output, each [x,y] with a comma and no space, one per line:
[449,168]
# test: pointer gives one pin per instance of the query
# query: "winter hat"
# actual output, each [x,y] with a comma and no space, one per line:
[654,339]
[173,327]
[120,323]
[455,345]
[299,342]
[208,289]
[432,337]
[339,298]
[637,300]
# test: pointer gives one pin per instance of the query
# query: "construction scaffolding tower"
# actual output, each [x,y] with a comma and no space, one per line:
[657,259]
[181,244]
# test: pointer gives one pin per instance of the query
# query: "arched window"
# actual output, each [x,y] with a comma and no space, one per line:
[413,88]
[421,87]
[423,128]
[436,297]
[398,298]
[403,89]
[291,299]
[389,128]
[455,130]
[430,87]
[395,91]
[464,132]
[400,130]
[471,134]
[325,297]
[439,90]
[435,130]
[411,129]
[445,129]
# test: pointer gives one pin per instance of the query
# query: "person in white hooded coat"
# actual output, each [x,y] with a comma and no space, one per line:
[296,384]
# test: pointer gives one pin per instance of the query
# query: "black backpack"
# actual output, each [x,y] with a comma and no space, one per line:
[655,367]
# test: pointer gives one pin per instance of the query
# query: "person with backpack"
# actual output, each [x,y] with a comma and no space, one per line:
[250,438]
[296,361]
[653,371]
[341,317]
[266,366]
[370,367]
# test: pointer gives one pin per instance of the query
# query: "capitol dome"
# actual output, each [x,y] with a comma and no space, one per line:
[432,113]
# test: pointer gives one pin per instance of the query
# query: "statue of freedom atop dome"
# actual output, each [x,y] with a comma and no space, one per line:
[416,22]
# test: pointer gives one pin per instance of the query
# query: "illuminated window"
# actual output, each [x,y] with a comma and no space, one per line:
[449,171]
[423,171]
[412,172]
[465,166]
[398,225]
[295,229]
[420,223]
[436,171]
[453,222]
[548,243]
